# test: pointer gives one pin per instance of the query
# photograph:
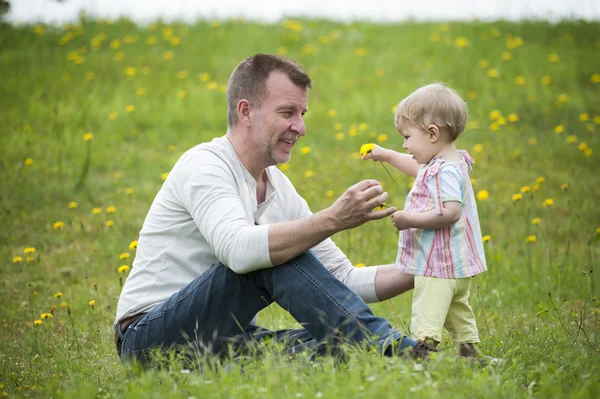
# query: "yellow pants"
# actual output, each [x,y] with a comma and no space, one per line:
[442,302]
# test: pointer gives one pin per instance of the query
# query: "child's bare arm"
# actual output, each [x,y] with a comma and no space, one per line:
[402,162]
[429,220]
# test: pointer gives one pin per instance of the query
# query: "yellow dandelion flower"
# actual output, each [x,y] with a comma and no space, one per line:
[308,173]
[559,129]
[536,221]
[363,126]
[520,80]
[360,265]
[130,108]
[332,113]
[96,211]
[109,223]
[461,42]
[29,259]
[590,128]
[92,303]
[517,197]
[548,202]
[483,195]
[282,50]
[283,167]
[58,295]
[540,179]
[582,146]
[204,77]
[124,255]
[394,109]
[478,147]
[366,149]
[46,316]
[495,32]
[338,126]
[584,117]
[563,98]
[525,189]
[88,136]
[493,73]
[115,44]
[28,162]
[411,184]
[212,85]
[90,75]
[29,250]
[309,49]
[133,245]
[506,56]
[553,58]
[513,117]
[495,114]
[112,116]
[17,259]
[473,181]
[164,176]
[380,73]
[181,94]
[111,209]
[37,322]
[473,125]
[140,91]
[597,231]
[119,56]
[182,74]
[382,137]
[472,95]
[129,191]
[501,121]
[536,187]
[167,55]
[58,225]
[588,152]
[572,139]
[595,78]
[546,80]
[564,186]
[531,239]
[123,269]
[352,132]
[484,64]
[532,141]
[151,40]
[486,238]
[72,205]
[361,52]
[305,150]
[63,305]
[329,193]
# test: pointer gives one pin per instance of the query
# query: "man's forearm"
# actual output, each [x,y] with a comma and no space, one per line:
[290,239]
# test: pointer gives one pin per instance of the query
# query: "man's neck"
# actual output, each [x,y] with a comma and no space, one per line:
[245,154]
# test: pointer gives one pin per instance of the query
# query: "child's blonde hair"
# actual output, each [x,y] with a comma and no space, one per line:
[434,104]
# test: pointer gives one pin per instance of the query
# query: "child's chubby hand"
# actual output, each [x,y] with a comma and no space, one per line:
[375,154]
[401,220]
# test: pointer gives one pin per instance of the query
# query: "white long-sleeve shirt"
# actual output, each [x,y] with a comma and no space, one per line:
[206,212]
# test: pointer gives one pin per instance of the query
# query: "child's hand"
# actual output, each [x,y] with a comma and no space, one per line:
[375,154]
[401,220]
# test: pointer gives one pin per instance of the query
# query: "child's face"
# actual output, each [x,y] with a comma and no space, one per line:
[417,142]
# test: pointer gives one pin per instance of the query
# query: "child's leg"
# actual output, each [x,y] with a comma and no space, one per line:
[461,320]
[431,300]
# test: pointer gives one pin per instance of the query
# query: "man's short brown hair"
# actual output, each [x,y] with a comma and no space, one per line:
[249,80]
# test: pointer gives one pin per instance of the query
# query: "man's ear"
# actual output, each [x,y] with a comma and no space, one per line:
[243,110]
[434,133]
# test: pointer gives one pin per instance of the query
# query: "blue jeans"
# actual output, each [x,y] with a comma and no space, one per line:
[214,312]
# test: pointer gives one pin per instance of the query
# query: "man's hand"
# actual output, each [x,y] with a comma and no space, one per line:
[376,154]
[356,206]
[401,220]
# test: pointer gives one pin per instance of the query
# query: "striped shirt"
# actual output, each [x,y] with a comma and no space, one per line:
[455,251]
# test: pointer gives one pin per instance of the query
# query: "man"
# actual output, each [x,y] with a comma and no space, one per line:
[228,234]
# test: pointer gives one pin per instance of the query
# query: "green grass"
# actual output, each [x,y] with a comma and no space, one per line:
[535,306]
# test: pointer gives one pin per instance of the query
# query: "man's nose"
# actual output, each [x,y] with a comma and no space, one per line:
[298,126]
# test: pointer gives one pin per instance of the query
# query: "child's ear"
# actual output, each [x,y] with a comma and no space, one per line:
[434,133]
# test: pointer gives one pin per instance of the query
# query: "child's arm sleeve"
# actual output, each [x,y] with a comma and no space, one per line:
[445,186]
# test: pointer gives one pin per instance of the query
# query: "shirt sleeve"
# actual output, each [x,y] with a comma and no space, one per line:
[445,186]
[360,280]
[211,196]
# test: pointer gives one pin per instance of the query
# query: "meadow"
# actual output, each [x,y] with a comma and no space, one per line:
[95,114]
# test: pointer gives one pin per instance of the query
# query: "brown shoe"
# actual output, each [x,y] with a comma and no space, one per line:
[421,350]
